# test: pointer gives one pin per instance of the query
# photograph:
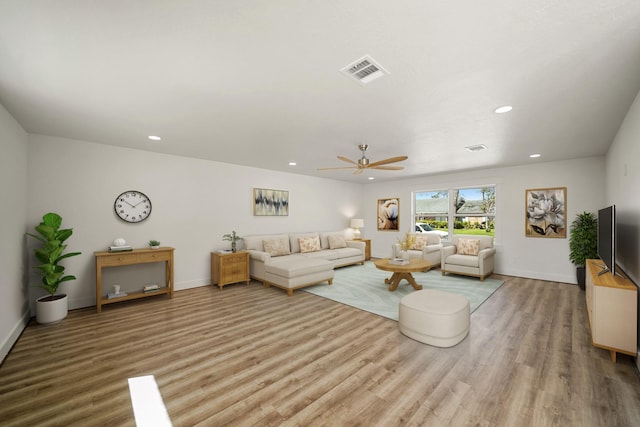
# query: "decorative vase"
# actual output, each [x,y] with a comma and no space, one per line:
[50,309]
[233,246]
[404,254]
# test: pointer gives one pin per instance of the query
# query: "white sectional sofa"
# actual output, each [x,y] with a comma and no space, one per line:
[294,260]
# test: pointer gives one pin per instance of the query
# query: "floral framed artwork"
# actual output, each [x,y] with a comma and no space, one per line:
[545,212]
[267,202]
[388,214]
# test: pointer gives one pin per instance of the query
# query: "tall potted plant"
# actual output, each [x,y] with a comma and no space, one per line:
[53,307]
[583,243]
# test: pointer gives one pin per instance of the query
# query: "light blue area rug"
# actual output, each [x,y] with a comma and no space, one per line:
[363,287]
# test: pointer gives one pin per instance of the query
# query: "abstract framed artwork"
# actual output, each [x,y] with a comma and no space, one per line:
[388,214]
[267,202]
[545,212]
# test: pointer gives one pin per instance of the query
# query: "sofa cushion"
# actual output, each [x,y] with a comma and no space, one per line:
[295,265]
[337,241]
[309,244]
[294,240]
[468,246]
[276,247]
[324,238]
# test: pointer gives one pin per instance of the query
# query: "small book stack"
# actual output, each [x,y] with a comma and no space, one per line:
[123,248]
[398,261]
[151,288]
[112,295]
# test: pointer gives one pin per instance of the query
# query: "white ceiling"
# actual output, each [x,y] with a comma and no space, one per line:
[258,83]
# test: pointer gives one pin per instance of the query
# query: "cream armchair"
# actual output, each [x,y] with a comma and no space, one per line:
[469,255]
[427,247]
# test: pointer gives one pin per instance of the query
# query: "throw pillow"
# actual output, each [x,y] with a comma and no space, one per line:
[336,241]
[275,247]
[468,246]
[419,243]
[309,244]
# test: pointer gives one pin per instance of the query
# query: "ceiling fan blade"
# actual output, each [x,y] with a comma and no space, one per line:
[387,168]
[387,161]
[342,167]
[358,171]
[344,159]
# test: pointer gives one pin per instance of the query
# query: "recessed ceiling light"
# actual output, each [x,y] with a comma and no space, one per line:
[154,138]
[534,156]
[292,163]
[503,109]
[371,178]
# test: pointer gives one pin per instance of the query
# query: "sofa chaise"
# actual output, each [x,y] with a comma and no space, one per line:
[294,260]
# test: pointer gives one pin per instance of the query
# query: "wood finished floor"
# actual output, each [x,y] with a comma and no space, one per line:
[253,356]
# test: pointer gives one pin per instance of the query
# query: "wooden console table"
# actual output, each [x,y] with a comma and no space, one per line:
[136,256]
[612,306]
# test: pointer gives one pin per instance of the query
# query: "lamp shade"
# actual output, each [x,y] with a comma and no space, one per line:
[357,223]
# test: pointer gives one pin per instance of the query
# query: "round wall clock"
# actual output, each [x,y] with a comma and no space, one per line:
[132,206]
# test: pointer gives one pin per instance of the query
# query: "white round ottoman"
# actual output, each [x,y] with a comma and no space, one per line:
[434,317]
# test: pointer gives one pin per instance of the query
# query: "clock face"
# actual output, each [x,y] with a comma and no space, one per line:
[132,206]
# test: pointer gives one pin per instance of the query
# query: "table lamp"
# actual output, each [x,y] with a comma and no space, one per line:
[357,223]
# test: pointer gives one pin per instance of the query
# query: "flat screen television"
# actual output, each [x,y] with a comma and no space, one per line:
[607,239]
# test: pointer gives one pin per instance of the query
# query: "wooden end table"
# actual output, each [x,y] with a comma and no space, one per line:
[402,271]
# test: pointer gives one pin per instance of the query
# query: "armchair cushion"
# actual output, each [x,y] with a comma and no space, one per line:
[468,246]
[419,243]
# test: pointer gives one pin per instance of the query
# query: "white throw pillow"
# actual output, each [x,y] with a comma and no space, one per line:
[336,241]
[419,243]
[276,247]
[309,244]
[468,246]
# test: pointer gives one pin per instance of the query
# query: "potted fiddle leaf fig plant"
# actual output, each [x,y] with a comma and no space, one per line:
[583,243]
[52,308]
[233,238]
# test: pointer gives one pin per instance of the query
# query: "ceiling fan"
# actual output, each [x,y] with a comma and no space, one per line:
[363,163]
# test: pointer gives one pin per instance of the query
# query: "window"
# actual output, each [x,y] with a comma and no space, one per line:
[457,210]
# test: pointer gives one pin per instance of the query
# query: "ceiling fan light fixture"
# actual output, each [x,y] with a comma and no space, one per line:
[476,148]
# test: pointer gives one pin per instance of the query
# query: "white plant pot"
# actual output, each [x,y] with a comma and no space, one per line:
[154,247]
[48,312]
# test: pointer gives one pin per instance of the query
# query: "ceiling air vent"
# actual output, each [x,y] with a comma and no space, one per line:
[476,148]
[364,70]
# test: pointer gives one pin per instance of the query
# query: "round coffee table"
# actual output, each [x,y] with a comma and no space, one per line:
[402,271]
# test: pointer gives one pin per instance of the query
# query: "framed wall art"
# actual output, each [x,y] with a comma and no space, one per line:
[545,212]
[267,202]
[388,214]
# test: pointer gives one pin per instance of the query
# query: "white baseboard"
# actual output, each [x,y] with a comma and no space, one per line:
[14,335]
[181,286]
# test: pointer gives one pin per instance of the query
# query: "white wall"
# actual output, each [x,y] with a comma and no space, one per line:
[517,255]
[194,202]
[14,310]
